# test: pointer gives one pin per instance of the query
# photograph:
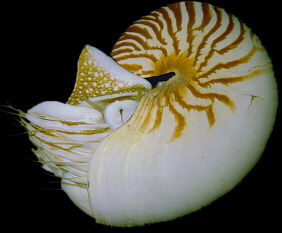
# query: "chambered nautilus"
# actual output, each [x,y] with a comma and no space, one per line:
[131,153]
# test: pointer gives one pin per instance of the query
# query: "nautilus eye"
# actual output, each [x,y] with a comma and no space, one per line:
[130,153]
[117,113]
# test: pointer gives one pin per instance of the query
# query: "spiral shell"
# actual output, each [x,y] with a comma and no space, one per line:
[210,51]
[131,155]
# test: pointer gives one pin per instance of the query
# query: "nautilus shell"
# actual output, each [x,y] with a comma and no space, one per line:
[131,153]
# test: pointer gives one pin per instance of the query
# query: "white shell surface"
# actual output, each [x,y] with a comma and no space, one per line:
[195,137]
[137,178]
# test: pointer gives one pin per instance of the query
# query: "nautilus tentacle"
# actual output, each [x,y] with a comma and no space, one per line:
[130,155]
[105,96]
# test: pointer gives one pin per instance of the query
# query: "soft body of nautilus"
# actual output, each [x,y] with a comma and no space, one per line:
[131,154]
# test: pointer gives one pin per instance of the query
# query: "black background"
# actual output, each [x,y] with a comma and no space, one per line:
[40,48]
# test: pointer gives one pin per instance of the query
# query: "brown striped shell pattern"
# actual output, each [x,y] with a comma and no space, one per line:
[131,154]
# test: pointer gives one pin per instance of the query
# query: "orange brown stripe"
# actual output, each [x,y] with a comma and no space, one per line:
[222,98]
[206,37]
[234,44]
[228,30]
[230,64]
[177,13]
[158,115]
[157,20]
[131,67]
[149,56]
[119,51]
[53,145]
[210,115]
[180,121]
[216,41]
[155,30]
[136,38]
[147,116]
[170,30]
[147,72]
[190,36]
[125,43]
[138,114]
[138,29]
[206,16]
[230,80]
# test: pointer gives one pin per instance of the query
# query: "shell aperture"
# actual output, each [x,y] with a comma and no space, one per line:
[129,154]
